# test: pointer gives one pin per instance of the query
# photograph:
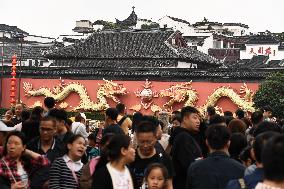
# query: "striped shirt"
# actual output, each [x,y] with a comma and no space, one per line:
[61,176]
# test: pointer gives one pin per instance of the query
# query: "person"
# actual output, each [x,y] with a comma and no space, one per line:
[272,160]
[65,171]
[46,144]
[63,132]
[25,116]
[210,111]
[111,122]
[123,120]
[237,126]
[218,168]
[79,127]
[17,162]
[89,169]
[4,129]
[256,119]
[18,112]
[217,119]
[238,143]
[267,113]
[240,114]
[250,181]
[92,150]
[156,176]
[115,174]
[146,153]
[31,127]
[185,148]
[8,118]
[49,103]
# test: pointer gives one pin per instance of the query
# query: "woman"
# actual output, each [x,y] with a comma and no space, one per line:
[8,118]
[18,162]
[115,173]
[65,171]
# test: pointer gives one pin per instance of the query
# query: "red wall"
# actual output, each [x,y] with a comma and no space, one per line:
[204,89]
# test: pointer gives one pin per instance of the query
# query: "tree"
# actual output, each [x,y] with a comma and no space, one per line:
[271,92]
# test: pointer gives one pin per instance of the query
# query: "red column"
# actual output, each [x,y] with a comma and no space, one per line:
[13,80]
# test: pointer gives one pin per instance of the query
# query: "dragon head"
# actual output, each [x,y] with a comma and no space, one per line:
[248,93]
[112,89]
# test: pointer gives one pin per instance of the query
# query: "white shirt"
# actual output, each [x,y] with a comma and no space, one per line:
[120,179]
[75,166]
[265,186]
[23,175]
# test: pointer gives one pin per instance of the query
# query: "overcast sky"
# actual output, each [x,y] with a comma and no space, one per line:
[55,17]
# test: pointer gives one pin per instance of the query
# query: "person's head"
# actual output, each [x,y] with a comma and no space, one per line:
[120,149]
[156,176]
[256,117]
[4,130]
[247,121]
[190,118]
[160,128]
[60,116]
[240,113]
[76,147]
[217,119]
[228,114]
[47,129]
[18,109]
[15,145]
[69,123]
[176,121]
[259,143]
[8,115]
[210,111]
[218,138]
[92,139]
[238,143]
[137,118]
[146,134]
[120,108]
[266,126]
[25,115]
[111,115]
[246,156]
[105,140]
[37,113]
[237,126]
[272,159]
[80,117]
[49,102]
[267,112]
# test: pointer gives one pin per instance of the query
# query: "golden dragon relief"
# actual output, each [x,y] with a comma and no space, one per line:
[107,90]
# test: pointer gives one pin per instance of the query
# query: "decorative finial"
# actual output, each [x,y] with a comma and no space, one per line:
[133,8]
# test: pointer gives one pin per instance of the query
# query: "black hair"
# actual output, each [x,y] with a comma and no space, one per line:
[92,136]
[256,117]
[245,155]
[217,119]
[266,126]
[176,118]
[228,114]
[112,113]
[72,139]
[157,166]
[217,136]
[14,133]
[151,119]
[58,114]
[240,113]
[146,127]
[228,119]
[106,138]
[120,108]
[25,115]
[272,159]
[69,122]
[49,102]
[36,113]
[237,145]
[267,108]
[49,118]
[115,145]
[78,117]
[185,111]
[137,118]
[260,142]
[211,110]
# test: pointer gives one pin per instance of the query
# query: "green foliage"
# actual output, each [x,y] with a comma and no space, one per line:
[271,92]
[150,26]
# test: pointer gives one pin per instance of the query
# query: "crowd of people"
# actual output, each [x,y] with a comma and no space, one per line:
[178,150]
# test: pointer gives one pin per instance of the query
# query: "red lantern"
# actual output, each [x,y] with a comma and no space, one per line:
[13,80]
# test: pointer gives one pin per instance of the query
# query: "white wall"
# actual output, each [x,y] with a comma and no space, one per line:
[237,30]
[84,24]
[186,65]
[182,27]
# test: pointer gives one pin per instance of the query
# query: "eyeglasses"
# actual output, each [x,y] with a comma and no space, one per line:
[48,130]
[145,143]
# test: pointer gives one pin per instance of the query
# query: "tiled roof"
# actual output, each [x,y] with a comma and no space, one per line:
[13,29]
[130,45]
[236,24]
[179,20]
[262,39]
[130,21]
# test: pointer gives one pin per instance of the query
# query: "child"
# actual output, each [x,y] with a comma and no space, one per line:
[156,176]
[92,149]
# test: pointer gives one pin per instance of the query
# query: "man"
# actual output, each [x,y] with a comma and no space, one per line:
[185,148]
[240,114]
[146,153]
[210,111]
[18,112]
[45,144]
[111,123]
[267,113]
[256,119]
[79,127]
[272,159]
[49,103]
[124,121]
[218,168]
[63,132]
[251,180]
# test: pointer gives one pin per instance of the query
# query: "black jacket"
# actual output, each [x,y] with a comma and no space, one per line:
[102,179]
[213,172]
